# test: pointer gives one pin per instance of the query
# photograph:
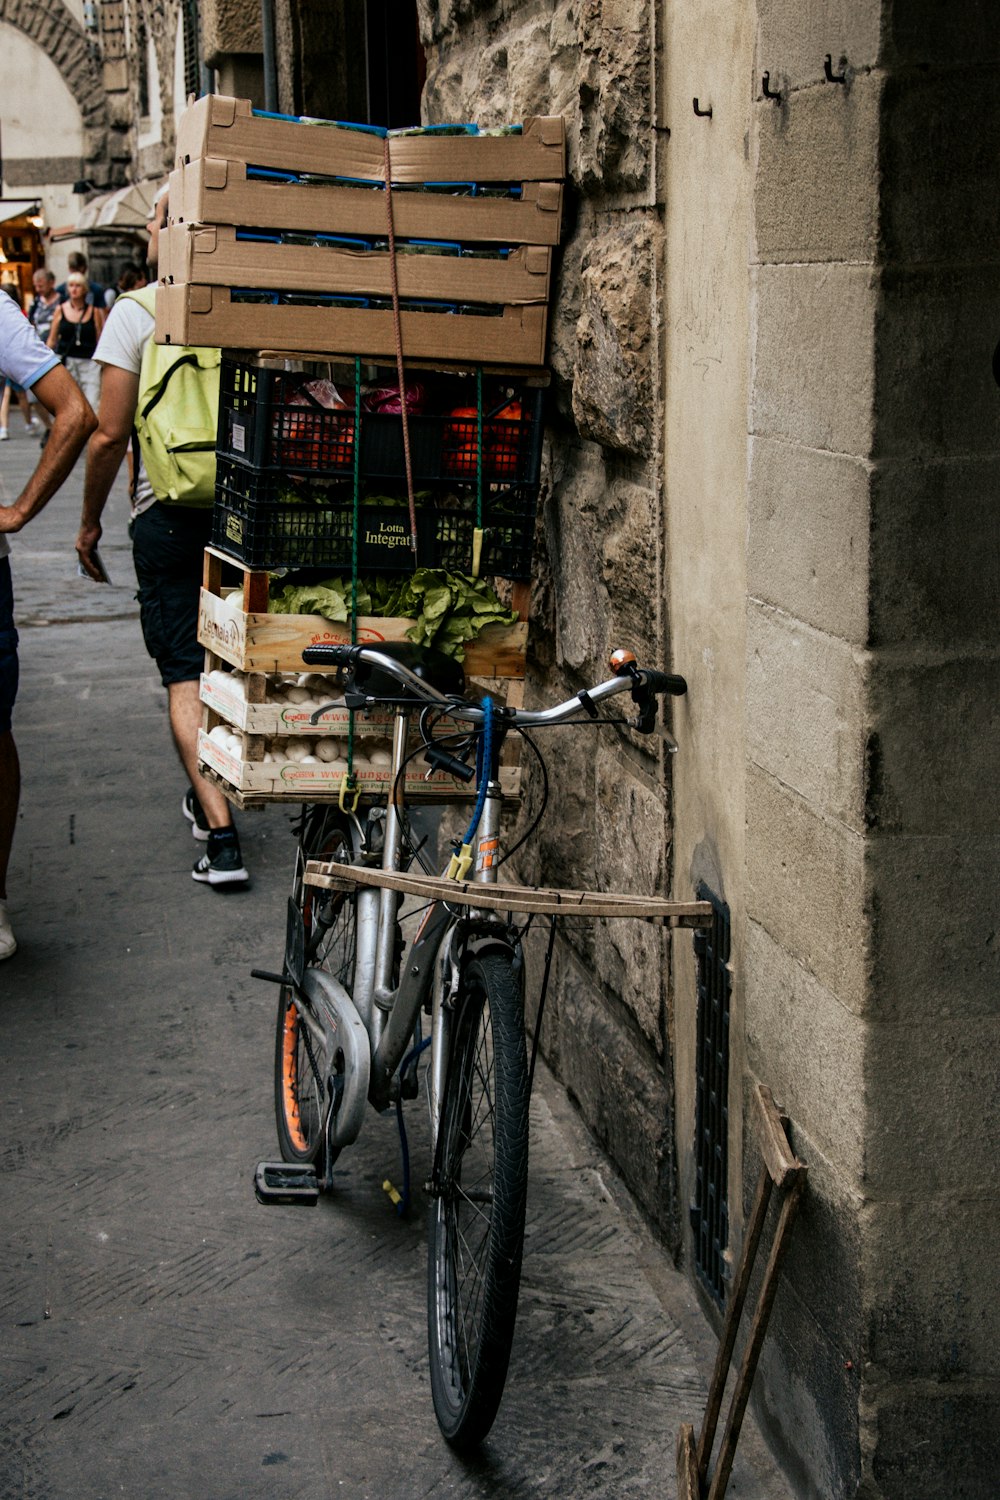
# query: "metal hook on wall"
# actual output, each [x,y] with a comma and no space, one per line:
[767,90]
[831,76]
[703,114]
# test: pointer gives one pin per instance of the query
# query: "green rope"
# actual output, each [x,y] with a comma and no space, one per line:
[355,525]
[477,535]
[479,447]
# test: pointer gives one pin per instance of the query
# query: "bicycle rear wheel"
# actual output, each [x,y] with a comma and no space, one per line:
[477,1219]
[300,1080]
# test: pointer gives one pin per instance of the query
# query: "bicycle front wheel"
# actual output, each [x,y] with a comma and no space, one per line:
[477,1218]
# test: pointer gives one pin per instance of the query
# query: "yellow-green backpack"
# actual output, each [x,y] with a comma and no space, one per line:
[176,416]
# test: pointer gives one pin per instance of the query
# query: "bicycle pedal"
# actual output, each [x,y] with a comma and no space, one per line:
[285,1182]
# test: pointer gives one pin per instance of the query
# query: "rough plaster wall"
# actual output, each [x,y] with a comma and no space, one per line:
[706,55]
[607,1026]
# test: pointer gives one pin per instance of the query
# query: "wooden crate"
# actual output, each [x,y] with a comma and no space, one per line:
[261,645]
[290,781]
[252,640]
[211,255]
[248,707]
[218,125]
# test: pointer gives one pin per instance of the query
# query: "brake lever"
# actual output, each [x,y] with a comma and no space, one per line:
[644,699]
[645,720]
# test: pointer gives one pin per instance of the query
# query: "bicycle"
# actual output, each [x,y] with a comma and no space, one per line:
[350,1013]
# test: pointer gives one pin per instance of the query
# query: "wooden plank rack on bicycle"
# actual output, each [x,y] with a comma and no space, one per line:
[342,466]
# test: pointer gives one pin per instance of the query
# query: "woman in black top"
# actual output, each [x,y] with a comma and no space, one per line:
[75,330]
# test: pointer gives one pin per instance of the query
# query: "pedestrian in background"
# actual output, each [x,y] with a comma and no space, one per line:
[77,266]
[27,361]
[40,313]
[75,330]
[168,546]
[44,303]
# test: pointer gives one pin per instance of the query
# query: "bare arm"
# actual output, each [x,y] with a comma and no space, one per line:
[119,394]
[74,422]
[54,330]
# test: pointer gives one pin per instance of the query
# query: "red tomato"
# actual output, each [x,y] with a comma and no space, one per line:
[310,439]
[503,439]
[461,445]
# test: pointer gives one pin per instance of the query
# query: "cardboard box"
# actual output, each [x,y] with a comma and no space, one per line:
[274,643]
[291,781]
[217,125]
[191,314]
[216,190]
[211,255]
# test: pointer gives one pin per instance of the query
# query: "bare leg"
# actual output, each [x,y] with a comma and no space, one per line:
[10,788]
[25,405]
[5,405]
[185,721]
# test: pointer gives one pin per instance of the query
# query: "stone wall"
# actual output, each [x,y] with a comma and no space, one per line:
[773,464]
[608,1024]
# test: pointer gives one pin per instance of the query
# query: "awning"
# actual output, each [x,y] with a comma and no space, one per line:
[124,211]
[11,208]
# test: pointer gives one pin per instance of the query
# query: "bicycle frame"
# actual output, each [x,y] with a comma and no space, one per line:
[386,1011]
[389,1012]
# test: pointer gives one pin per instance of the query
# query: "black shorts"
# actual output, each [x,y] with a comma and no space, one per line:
[168,545]
[8,647]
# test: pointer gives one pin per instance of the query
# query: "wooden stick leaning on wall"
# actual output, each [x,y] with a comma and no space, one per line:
[780,1169]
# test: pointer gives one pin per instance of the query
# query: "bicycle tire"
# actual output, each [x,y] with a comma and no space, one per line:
[328,919]
[474,1258]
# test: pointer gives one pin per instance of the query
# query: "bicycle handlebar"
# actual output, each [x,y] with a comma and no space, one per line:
[350,656]
[641,681]
[664,682]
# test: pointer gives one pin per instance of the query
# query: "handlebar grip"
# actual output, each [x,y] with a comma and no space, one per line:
[664,682]
[330,655]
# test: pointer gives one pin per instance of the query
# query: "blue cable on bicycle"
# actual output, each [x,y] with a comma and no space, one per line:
[460,861]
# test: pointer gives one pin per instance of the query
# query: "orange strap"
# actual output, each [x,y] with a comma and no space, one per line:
[399,355]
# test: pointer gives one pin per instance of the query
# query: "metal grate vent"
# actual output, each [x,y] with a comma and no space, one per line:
[192,49]
[710,1210]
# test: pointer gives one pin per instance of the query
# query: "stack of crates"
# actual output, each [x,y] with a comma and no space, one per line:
[278,251]
[278,236]
[285,479]
[277,242]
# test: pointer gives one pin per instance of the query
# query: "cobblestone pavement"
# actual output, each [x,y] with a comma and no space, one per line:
[162,1335]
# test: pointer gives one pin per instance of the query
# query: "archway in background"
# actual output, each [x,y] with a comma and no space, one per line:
[54,28]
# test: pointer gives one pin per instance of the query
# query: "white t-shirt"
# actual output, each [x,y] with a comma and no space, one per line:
[127,330]
[23,358]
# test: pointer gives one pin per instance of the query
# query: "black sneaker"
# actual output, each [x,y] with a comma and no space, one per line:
[222,863]
[191,808]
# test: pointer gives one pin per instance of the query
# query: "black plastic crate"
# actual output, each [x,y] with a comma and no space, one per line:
[273,420]
[256,521]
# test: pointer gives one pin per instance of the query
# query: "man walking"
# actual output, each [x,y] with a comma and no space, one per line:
[26,360]
[168,543]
